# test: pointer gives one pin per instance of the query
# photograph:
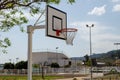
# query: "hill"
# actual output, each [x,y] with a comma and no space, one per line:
[108,57]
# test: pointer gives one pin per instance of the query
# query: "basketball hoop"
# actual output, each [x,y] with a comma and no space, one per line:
[68,33]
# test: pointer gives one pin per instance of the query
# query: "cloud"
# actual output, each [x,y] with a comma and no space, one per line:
[98,29]
[82,26]
[115,0]
[116,8]
[98,10]
[102,38]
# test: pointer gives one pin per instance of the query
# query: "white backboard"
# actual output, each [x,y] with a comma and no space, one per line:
[55,20]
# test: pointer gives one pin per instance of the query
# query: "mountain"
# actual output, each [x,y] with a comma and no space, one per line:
[77,58]
[110,55]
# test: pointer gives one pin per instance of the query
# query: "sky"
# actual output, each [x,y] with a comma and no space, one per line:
[104,14]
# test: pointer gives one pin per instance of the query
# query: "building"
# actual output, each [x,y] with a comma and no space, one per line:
[46,58]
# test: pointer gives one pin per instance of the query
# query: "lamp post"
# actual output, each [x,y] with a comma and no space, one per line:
[117,50]
[56,55]
[90,26]
[17,60]
[10,60]
[117,45]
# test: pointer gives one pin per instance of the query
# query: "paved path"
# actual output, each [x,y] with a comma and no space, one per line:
[78,78]
[83,78]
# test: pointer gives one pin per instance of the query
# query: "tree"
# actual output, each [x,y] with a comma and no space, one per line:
[86,58]
[8,66]
[21,65]
[88,63]
[55,65]
[36,65]
[12,13]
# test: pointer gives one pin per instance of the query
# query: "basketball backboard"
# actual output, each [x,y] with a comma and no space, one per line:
[55,20]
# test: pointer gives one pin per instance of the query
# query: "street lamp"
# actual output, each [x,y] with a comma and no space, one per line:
[90,26]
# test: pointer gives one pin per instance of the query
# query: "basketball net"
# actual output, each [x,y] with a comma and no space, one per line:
[68,33]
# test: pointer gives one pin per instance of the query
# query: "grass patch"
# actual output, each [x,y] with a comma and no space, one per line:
[14,77]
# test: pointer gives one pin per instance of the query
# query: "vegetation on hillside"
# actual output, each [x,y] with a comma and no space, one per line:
[109,58]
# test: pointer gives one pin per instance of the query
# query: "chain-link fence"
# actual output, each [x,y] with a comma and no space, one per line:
[113,77]
[13,71]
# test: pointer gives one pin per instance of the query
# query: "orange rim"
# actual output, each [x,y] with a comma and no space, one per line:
[69,30]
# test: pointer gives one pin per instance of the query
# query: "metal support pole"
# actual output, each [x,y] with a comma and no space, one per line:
[90,48]
[30,30]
